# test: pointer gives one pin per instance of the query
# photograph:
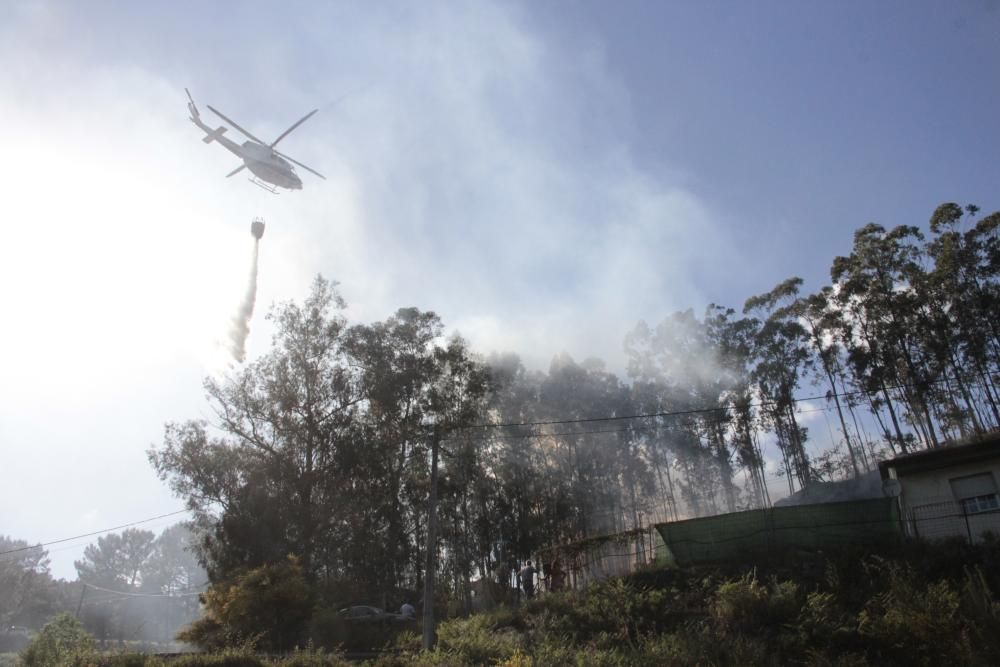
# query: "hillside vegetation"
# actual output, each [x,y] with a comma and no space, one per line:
[915,604]
[918,605]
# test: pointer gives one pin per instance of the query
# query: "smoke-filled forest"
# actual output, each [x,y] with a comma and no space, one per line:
[317,465]
[132,585]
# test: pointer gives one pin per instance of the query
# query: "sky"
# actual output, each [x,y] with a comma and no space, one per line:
[541,175]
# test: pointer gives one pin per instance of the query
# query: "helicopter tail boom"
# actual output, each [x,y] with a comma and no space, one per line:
[212,135]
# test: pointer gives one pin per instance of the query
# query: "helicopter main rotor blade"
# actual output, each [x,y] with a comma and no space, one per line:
[296,162]
[289,130]
[234,124]
[236,171]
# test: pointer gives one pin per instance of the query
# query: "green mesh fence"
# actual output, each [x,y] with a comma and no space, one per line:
[732,536]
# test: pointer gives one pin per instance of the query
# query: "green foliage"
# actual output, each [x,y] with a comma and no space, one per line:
[62,641]
[310,658]
[907,607]
[116,560]
[266,607]
[748,606]
[25,587]
[478,640]
[229,658]
[916,623]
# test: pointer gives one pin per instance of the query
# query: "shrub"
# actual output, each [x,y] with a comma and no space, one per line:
[229,658]
[747,606]
[314,659]
[475,641]
[916,624]
[62,641]
[266,608]
[700,645]
[132,660]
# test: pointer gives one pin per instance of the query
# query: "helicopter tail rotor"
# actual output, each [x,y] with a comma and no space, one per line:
[192,109]
[214,134]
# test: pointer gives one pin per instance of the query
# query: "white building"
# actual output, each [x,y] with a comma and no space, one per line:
[949,491]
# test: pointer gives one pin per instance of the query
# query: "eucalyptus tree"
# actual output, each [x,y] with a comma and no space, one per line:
[733,339]
[653,437]
[516,507]
[589,462]
[396,360]
[821,320]
[681,358]
[873,291]
[962,307]
[781,353]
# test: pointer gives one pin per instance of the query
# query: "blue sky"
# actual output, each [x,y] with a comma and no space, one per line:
[808,116]
[542,174]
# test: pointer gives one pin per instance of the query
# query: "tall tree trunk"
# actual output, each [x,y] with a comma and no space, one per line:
[843,423]
[725,468]
[892,415]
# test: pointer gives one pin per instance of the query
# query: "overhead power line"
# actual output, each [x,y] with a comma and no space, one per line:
[96,532]
[630,429]
[683,413]
[145,595]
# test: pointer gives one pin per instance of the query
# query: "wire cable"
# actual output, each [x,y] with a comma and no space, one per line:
[693,411]
[96,532]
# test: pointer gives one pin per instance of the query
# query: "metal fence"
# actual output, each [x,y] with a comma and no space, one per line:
[949,519]
[870,522]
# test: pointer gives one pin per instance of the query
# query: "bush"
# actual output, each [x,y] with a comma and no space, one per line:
[62,641]
[475,641]
[748,606]
[916,624]
[265,608]
[314,659]
[231,658]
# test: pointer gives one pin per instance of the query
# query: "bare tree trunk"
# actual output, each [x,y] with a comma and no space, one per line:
[843,423]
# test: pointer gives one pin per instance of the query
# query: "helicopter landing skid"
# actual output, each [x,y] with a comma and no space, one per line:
[263,184]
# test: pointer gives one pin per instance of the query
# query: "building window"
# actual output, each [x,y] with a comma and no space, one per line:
[976,493]
[978,504]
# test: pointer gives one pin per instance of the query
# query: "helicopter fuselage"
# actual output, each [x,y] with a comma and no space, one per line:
[268,166]
[264,163]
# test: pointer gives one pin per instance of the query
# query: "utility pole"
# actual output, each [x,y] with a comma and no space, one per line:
[430,566]
[79,604]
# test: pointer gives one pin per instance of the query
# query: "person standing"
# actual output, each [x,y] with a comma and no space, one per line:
[527,575]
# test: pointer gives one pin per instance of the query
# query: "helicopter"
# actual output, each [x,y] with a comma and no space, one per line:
[271,169]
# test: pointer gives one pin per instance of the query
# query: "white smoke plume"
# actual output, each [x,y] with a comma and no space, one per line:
[240,329]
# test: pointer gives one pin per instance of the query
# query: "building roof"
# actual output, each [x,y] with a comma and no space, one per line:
[868,485]
[965,451]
